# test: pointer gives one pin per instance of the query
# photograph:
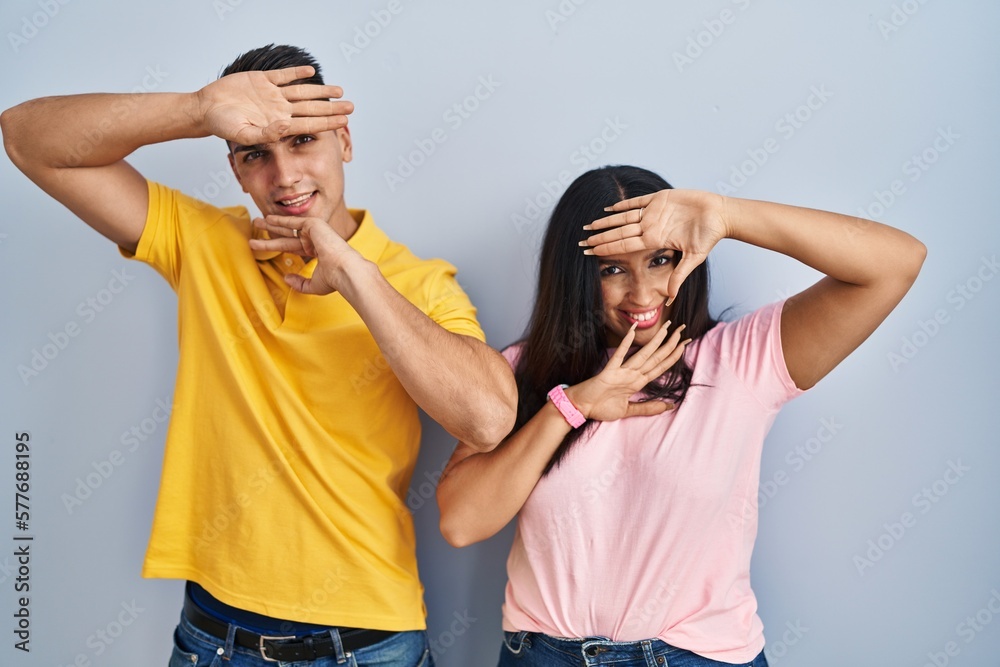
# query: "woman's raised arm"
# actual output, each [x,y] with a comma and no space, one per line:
[869,266]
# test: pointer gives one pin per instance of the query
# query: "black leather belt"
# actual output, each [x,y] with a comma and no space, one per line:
[284,649]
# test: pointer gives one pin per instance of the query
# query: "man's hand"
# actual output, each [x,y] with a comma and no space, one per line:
[251,108]
[309,237]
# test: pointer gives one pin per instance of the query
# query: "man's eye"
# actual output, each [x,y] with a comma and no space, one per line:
[304,138]
[250,156]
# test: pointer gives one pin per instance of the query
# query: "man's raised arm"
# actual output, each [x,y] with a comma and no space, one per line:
[73,147]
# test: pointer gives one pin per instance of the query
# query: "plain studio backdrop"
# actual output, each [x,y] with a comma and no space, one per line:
[878,538]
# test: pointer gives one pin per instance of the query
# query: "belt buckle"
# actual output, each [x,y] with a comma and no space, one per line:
[261,646]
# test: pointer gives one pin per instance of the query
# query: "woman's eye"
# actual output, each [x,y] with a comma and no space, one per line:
[610,270]
[662,260]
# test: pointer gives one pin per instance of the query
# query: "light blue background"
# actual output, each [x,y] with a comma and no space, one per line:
[562,72]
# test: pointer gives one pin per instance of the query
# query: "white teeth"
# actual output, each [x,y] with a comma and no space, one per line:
[643,317]
[293,202]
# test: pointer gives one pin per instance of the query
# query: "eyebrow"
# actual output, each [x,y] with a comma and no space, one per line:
[655,253]
[260,147]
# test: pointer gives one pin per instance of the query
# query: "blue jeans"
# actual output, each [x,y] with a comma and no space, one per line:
[194,648]
[532,649]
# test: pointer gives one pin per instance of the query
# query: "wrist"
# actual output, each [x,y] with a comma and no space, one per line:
[579,400]
[194,109]
[354,276]
[730,215]
[557,396]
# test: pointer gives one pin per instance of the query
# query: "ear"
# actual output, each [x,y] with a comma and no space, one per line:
[346,148]
[232,165]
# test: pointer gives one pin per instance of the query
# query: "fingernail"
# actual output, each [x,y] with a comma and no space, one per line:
[588,252]
[607,208]
[669,301]
[666,324]
[583,244]
[588,227]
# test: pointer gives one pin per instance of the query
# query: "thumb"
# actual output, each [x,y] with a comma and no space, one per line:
[684,268]
[646,409]
[299,284]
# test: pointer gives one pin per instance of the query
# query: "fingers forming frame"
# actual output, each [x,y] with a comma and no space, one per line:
[618,357]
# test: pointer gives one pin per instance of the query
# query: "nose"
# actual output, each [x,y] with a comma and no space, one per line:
[643,293]
[286,170]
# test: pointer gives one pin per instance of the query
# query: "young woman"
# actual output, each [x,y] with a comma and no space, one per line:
[634,478]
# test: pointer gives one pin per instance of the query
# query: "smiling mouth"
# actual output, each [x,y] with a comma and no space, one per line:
[295,201]
[644,319]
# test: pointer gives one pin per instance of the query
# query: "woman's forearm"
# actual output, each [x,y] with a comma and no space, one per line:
[481,492]
[852,250]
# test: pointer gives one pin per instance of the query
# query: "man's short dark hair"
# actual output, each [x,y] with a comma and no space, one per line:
[275,57]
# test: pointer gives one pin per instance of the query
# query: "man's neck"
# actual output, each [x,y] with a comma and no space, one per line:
[344,223]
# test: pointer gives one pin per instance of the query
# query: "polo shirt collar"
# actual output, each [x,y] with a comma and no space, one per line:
[368,239]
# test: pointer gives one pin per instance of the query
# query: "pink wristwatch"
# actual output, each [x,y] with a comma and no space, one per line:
[566,407]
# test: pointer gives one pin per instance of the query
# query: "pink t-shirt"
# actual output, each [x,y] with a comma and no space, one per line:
[645,529]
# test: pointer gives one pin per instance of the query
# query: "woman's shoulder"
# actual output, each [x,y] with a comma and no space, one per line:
[513,352]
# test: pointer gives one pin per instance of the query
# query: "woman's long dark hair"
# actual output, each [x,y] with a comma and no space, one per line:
[565,342]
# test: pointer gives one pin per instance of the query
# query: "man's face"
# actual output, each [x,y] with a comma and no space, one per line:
[301,174]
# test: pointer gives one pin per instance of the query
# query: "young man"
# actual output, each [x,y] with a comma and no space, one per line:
[307,341]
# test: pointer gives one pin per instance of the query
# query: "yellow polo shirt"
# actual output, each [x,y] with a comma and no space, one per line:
[291,444]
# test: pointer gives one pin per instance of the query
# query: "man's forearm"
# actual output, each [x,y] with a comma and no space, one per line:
[96,129]
[459,381]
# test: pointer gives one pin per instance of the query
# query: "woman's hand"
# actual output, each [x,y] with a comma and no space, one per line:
[605,397]
[689,221]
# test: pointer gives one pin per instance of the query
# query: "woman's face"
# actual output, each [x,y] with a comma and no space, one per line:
[634,287]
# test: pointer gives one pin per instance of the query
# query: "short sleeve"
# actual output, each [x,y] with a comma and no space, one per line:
[512,353]
[448,304]
[751,348]
[171,218]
